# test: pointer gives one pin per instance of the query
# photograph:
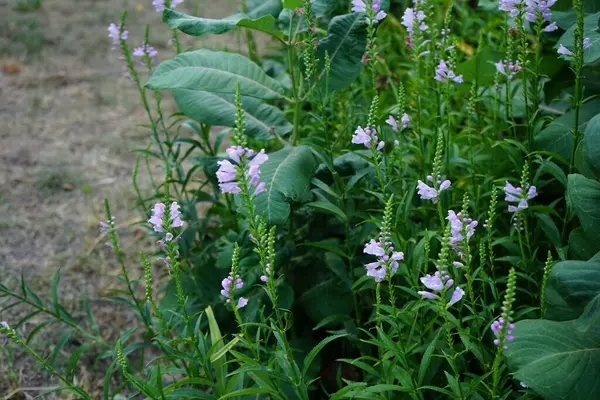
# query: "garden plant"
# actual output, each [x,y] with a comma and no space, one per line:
[360,199]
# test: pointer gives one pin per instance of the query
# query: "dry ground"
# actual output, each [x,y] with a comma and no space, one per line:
[69,122]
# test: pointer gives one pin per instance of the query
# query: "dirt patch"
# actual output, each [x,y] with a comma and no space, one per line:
[69,122]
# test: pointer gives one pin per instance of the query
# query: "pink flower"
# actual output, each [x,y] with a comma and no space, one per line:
[563,50]
[433,282]
[156,220]
[176,222]
[359,6]
[361,137]
[226,171]
[5,339]
[242,301]
[551,28]
[427,295]
[456,296]
[391,121]
[405,120]
[113,33]
[374,248]
[426,192]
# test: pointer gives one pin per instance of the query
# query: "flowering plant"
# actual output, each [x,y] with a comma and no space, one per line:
[317,223]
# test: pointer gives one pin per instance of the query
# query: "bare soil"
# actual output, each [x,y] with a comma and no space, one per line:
[70,121]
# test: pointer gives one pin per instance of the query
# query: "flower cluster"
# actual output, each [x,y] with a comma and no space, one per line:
[437,283]
[444,72]
[5,339]
[367,137]
[410,18]
[158,217]
[361,6]
[387,257]
[498,327]
[427,192]
[238,284]
[539,10]
[510,6]
[562,50]
[508,68]
[145,49]
[518,196]
[159,5]
[228,174]
[113,33]
[461,229]
[391,121]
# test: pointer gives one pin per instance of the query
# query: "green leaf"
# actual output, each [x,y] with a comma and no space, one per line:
[217,345]
[266,24]
[583,195]
[219,109]
[54,290]
[259,8]
[559,360]
[345,42]
[571,285]
[59,345]
[215,72]
[590,30]
[557,136]
[292,4]
[591,143]
[480,66]
[581,245]
[287,175]
[315,351]
[549,228]
[196,26]
[328,208]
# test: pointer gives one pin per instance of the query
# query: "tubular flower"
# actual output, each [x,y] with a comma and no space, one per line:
[387,258]
[518,196]
[461,230]
[228,174]
[444,73]
[427,192]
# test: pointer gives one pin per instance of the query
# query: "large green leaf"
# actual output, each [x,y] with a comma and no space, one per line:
[583,195]
[217,72]
[571,285]
[219,109]
[196,26]
[557,136]
[559,360]
[259,8]
[591,143]
[590,30]
[582,246]
[287,175]
[345,43]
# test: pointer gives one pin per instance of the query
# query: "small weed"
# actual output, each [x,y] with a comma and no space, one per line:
[51,180]
[28,5]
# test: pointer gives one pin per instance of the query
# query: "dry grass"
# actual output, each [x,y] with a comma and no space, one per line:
[69,121]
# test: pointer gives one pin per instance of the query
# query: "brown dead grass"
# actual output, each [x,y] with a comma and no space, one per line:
[69,122]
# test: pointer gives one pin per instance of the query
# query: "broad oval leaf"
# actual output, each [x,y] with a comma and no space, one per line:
[583,195]
[197,26]
[345,42]
[216,72]
[219,109]
[591,144]
[559,360]
[571,285]
[558,137]
[287,175]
